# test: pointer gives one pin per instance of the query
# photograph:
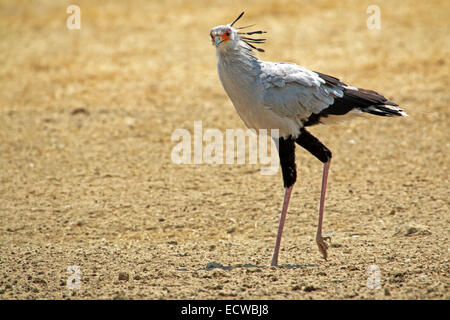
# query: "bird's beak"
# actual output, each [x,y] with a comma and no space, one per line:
[217,41]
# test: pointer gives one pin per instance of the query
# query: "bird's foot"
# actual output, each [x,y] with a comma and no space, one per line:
[323,246]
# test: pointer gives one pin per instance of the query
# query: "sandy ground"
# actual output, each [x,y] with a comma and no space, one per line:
[86,178]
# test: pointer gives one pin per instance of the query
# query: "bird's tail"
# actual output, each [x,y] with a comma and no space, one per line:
[372,102]
[353,102]
[385,110]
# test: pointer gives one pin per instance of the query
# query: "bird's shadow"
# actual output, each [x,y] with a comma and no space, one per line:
[216,265]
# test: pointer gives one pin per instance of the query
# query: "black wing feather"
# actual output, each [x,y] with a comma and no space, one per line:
[362,99]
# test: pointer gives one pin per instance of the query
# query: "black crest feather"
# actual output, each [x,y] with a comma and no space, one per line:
[240,16]
[250,41]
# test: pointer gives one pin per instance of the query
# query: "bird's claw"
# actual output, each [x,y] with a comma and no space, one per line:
[323,246]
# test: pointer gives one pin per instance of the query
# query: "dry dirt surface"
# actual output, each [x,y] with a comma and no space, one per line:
[92,206]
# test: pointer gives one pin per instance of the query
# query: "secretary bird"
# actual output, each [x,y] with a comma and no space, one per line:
[289,98]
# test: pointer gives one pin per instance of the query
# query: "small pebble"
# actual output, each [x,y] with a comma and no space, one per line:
[123,276]
[310,288]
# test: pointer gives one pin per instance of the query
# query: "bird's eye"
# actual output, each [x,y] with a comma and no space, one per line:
[228,33]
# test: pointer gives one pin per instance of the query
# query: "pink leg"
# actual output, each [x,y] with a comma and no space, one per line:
[320,241]
[287,196]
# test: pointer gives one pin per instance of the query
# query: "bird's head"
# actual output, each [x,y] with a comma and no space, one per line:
[226,37]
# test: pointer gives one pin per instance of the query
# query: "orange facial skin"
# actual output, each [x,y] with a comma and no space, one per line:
[218,39]
[226,36]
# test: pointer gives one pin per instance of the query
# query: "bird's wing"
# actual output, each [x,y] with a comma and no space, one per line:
[292,91]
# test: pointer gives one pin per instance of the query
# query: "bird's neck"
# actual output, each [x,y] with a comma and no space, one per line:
[239,73]
[238,59]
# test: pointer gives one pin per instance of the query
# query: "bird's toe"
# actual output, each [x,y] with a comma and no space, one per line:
[323,246]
